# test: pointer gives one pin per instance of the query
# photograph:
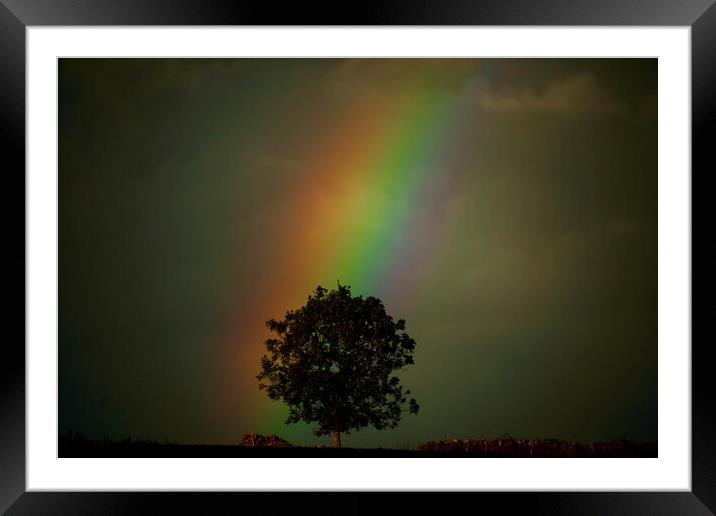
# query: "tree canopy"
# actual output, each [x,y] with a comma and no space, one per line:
[333,362]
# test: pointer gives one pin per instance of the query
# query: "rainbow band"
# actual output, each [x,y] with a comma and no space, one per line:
[354,222]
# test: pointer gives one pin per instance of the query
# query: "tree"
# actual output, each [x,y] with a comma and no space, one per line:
[332,362]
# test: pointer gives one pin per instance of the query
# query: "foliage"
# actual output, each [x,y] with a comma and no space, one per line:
[333,361]
[260,441]
[508,446]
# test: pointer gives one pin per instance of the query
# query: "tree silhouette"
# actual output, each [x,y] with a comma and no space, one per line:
[332,362]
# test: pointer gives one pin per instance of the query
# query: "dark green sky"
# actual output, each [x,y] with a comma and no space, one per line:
[528,276]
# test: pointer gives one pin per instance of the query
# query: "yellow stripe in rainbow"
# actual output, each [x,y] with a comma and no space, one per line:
[350,222]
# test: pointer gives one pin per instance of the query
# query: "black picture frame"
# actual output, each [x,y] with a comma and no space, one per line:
[16,15]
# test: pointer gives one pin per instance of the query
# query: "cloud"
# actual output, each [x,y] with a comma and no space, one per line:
[577,94]
[368,78]
[351,78]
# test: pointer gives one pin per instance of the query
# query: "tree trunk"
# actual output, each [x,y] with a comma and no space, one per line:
[336,439]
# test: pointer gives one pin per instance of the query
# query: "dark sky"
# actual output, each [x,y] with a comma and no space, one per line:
[506,208]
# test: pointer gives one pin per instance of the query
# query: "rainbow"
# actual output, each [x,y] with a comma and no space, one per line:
[358,220]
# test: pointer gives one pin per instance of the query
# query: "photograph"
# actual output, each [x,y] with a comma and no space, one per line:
[309,255]
[357,257]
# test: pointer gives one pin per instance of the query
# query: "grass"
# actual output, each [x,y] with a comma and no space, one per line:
[76,445]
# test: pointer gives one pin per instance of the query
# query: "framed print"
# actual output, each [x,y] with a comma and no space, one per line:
[495,204]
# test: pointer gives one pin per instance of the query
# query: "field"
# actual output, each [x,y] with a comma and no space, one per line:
[258,446]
